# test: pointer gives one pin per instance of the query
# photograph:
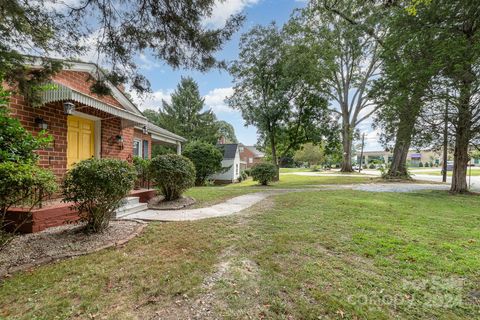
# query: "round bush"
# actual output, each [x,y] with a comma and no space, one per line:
[206,158]
[97,188]
[264,173]
[172,174]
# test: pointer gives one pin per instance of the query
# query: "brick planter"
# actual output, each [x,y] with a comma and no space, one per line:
[56,215]
[39,219]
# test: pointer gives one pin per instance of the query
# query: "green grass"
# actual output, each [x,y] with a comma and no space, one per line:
[207,196]
[303,255]
[289,181]
[288,170]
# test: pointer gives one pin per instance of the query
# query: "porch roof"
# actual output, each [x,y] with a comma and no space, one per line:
[63,93]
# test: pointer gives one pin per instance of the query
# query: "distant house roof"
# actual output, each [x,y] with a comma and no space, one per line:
[256,152]
[229,150]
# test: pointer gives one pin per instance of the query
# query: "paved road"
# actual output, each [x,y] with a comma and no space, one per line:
[240,203]
[474,180]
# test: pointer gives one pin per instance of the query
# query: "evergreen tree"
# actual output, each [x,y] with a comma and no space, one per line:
[185,115]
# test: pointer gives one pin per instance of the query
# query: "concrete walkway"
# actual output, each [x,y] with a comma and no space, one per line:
[240,203]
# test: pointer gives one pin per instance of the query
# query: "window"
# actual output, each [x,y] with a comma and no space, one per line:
[137,148]
[236,168]
[145,149]
[250,160]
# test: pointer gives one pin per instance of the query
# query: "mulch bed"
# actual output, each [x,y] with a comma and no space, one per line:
[29,250]
[158,203]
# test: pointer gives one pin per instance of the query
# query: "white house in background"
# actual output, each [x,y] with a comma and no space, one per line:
[231,160]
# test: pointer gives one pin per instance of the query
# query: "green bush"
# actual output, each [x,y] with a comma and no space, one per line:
[172,174]
[206,158]
[420,164]
[16,143]
[243,176]
[248,172]
[427,164]
[264,173]
[97,187]
[142,166]
[315,168]
[22,184]
[371,166]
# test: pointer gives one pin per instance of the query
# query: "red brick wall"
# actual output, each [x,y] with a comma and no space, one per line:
[245,154]
[55,157]
[81,81]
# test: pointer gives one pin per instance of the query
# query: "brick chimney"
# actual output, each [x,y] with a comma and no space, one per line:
[221,140]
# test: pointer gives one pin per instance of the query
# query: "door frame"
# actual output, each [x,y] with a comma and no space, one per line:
[97,131]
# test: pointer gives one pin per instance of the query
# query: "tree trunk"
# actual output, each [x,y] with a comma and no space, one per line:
[274,155]
[462,140]
[398,167]
[347,148]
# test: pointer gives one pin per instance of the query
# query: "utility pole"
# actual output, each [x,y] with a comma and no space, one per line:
[445,142]
[361,153]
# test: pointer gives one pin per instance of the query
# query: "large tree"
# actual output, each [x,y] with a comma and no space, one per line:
[185,114]
[227,131]
[274,92]
[112,33]
[350,61]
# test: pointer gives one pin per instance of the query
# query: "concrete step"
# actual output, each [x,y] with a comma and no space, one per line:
[131,200]
[132,205]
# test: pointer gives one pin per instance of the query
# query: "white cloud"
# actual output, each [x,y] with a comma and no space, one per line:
[153,100]
[215,99]
[148,64]
[224,9]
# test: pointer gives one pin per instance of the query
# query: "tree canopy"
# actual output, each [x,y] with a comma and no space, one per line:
[113,34]
[273,91]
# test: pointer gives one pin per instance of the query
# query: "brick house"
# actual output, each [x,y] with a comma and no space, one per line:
[250,156]
[85,125]
[93,126]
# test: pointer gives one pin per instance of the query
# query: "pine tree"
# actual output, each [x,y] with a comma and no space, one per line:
[185,116]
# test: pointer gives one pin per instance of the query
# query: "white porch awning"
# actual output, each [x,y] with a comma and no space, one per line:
[63,93]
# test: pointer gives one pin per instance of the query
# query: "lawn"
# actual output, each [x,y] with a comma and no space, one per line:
[207,196]
[438,172]
[304,255]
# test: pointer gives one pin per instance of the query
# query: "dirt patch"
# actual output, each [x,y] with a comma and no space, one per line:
[158,203]
[29,250]
[233,275]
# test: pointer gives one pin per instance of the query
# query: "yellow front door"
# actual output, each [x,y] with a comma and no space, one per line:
[80,139]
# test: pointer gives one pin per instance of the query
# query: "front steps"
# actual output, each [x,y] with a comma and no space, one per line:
[132,205]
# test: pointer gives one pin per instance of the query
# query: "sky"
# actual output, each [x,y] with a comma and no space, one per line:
[216,84]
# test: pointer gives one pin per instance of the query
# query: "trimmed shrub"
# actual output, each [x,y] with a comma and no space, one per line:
[172,174]
[264,173]
[22,184]
[206,158]
[420,164]
[97,188]
[427,164]
[371,166]
[142,166]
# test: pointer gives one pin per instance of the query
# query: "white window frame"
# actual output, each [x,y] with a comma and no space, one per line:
[140,147]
